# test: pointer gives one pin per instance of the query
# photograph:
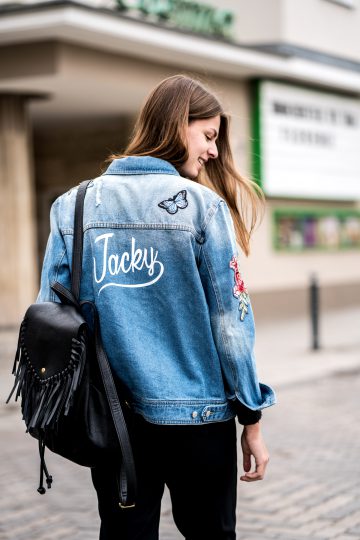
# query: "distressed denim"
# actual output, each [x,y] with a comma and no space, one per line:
[160,262]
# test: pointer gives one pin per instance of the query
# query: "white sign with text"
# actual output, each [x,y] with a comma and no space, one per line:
[309,143]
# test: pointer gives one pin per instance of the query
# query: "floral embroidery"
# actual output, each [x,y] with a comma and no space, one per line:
[174,203]
[239,289]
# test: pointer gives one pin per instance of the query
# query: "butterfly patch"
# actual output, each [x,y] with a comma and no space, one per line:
[173,204]
[239,289]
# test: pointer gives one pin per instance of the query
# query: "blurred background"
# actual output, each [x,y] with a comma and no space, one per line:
[73,75]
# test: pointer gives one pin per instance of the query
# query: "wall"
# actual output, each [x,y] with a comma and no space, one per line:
[323,26]
[320,25]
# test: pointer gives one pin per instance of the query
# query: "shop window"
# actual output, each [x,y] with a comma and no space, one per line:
[299,230]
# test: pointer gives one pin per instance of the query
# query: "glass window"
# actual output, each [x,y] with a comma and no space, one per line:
[296,229]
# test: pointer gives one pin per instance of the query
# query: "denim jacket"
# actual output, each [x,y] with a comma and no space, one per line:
[160,262]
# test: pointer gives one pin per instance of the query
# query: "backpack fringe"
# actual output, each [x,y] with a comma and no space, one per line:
[46,399]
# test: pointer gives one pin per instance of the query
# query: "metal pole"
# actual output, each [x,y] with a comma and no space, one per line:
[314,312]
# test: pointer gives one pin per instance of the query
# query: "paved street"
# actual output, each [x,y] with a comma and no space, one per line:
[311,491]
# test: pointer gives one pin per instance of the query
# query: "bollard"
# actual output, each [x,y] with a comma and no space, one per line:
[314,312]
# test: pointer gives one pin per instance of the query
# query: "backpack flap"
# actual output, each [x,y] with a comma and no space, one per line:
[50,329]
[49,362]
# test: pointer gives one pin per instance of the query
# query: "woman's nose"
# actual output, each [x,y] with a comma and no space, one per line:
[213,151]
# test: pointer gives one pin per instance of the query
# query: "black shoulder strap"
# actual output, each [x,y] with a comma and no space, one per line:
[78,240]
[127,485]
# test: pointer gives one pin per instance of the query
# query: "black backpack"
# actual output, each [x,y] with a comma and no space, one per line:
[69,400]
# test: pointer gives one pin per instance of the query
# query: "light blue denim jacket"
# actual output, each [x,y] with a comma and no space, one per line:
[160,263]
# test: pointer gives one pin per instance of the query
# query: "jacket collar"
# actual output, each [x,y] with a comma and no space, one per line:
[140,165]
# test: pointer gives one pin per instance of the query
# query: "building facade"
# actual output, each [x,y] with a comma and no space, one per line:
[73,76]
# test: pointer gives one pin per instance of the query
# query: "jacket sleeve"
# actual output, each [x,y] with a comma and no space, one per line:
[231,315]
[55,265]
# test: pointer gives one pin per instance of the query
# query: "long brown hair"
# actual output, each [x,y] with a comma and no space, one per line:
[160,131]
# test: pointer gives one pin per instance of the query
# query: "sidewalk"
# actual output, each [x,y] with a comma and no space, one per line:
[283,348]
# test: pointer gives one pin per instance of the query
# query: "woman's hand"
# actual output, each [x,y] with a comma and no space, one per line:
[252,444]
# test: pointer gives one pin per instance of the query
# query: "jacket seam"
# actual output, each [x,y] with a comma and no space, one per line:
[222,326]
[176,422]
[129,172]
[158,402]
[57,269]
[60,260]
[151,226]
[210,214]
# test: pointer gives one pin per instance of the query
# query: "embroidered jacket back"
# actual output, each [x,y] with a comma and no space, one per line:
[160,261]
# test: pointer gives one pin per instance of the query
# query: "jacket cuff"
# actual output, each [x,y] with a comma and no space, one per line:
[247,416]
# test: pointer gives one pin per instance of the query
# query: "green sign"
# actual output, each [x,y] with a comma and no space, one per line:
[184,14]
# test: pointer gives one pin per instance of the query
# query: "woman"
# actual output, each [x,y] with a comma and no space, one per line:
[160,261]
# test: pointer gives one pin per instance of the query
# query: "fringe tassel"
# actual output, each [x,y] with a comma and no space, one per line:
[43,401]
[17,367]
[48,408]
[76,357]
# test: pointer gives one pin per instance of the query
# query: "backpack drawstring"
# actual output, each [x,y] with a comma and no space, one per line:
[43,468]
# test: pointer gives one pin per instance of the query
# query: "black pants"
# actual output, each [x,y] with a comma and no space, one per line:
[197,463]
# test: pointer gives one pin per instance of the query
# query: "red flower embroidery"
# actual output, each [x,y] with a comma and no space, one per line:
[239,290]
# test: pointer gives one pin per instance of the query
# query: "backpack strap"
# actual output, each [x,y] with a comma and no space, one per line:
[127,485]
[78,240]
